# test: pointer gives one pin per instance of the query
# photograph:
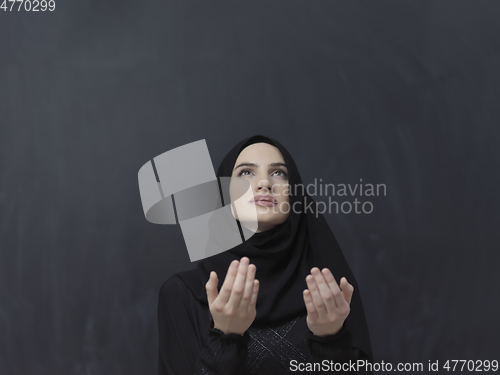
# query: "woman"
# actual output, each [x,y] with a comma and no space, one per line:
[270,305]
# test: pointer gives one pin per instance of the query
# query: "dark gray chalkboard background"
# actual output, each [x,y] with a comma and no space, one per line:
[404,93]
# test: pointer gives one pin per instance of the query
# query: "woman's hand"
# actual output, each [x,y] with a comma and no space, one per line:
[233,309]
[327,306]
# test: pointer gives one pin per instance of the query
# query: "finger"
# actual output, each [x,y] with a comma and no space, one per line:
[324,291]
[239,283]
[211,287]
[337,293]
[227,286]
[316,297]
[255,292]
[311,309]
[347,290]
[247,294]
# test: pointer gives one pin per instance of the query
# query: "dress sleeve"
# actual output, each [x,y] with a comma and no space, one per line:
[183,346]
[336,348]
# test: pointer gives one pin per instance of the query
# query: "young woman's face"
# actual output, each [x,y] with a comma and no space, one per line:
[263,166]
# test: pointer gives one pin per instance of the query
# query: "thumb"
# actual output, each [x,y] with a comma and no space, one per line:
[347,290]
[211,287]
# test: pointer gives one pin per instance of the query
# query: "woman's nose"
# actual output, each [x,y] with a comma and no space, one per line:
[264,184]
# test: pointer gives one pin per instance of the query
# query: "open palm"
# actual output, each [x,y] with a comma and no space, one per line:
[327,304]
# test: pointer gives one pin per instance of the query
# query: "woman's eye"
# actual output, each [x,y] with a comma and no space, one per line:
[247,172]
[243,172]
[280,173]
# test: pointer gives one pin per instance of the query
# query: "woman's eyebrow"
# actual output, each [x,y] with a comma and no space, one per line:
[257,166]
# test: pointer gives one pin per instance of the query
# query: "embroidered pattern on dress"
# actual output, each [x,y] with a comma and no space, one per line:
[271,341]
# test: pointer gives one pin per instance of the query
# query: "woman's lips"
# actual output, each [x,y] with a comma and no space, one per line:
[264,201]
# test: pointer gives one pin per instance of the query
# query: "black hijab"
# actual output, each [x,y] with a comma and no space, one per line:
[284,256]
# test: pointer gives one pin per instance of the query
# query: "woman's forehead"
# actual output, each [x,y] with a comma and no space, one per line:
[260,151]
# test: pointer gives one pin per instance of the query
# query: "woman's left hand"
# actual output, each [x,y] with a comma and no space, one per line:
[327,305]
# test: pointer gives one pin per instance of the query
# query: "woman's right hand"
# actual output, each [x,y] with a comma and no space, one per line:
[233,309]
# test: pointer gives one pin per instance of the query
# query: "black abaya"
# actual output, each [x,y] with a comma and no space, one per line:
[189,343]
